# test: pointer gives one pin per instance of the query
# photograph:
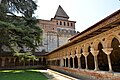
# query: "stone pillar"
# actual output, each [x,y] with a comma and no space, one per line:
[69,62]
[14,62]
[3,62]
[108,52]
[73,56]
[95,53]
[79,62]
[9,60]
[86,54]
[62,62]
[42,60]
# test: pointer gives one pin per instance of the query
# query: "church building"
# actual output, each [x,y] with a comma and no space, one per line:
[56,31]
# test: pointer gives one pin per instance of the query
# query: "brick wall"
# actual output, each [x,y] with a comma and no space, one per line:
[88,74]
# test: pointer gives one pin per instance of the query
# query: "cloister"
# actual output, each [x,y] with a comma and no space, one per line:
[97,48]
[90,52]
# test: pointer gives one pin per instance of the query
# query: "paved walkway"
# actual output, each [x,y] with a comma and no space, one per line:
[53,75]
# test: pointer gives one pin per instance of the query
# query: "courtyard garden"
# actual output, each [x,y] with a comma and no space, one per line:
[21,75]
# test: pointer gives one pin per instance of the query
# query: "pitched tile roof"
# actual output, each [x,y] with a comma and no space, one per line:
[61,14]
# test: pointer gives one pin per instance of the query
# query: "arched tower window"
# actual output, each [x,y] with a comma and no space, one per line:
[68,24]
[71,24]
[60,23]
[64,23]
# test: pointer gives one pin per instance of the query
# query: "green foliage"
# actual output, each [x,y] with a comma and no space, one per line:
[17,33]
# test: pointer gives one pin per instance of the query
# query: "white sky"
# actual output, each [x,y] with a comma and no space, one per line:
[84,12]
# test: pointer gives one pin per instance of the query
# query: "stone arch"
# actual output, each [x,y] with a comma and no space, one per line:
[31,63]
[109,40]
[17,61]
[6,62]
[76,62]
[85,48]
[39,62]
[115,55]
[102,59]
[90,60]
[12,62]
[82,59]
[44,61]
[96,43]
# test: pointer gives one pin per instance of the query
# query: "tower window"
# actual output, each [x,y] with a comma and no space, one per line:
[64,23]
[57,22]
[71,24]
[60,23]
[68,23]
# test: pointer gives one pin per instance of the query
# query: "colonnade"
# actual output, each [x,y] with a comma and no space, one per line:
[7,62]
[97,53]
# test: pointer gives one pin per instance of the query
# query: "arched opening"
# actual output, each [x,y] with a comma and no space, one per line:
[60,23]
[44,61]
[31,62]
[71,62]
[0,62]
[115,55]
[66,62]
[6,62]
[58,62]
[102,59]
[39,62]
[83,65]
[35,62]
[17,62]
[90,60]
[76,62]
[12,62]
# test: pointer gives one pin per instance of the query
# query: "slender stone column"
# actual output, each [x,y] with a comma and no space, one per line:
[14,62]
[64,61]
[73,56]
[3,62]
[86,54]
[95,53]
[79,62]
[108,52]
[69,62]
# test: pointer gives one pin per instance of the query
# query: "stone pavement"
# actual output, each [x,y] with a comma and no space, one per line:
[53,75]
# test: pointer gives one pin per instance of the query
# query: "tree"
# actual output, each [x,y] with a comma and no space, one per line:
[18,32]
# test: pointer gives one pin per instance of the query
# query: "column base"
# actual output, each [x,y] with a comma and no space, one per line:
[111,71]
[96,69]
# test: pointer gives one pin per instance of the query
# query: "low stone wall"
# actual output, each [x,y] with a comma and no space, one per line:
[88,74]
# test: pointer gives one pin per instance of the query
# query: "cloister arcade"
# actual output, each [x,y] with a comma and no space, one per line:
[97,48]
[15,62]
[102,53]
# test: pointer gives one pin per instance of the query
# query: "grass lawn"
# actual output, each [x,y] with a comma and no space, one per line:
[21,75]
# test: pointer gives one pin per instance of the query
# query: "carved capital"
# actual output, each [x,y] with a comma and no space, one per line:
[94,52]
[85,54]
[78,55]
[73,56]
[107,50]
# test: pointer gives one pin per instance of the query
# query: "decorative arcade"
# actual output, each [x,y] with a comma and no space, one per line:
[94,50]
